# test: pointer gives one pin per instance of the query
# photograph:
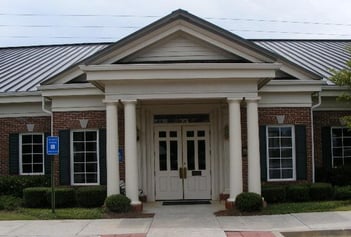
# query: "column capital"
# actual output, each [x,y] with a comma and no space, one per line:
[252,99]
[110,101]
[230,99]
[131,101]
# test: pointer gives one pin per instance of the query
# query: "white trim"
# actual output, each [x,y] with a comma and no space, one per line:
[293,152]
[24,115]
[97,154]
[20,153]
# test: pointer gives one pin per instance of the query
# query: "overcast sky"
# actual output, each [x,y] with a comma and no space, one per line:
[40,22]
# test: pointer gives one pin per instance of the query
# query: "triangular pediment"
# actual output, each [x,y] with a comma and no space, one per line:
[182,47]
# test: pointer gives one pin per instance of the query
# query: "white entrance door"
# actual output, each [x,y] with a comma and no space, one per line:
[182,162]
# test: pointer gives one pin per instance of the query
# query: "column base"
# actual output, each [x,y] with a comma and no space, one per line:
[229,204]
[137,207]
[223,196]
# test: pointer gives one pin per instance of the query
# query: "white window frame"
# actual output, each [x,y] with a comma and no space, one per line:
[97,154]
[332,146]
[21,158]
[293,152]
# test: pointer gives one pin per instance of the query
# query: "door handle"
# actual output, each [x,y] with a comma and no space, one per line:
[182,173]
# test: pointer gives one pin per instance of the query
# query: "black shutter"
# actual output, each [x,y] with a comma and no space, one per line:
[301,152]
[263,153]
[102,150]
[326,147]
[47,159]
[65,157]
[14,153]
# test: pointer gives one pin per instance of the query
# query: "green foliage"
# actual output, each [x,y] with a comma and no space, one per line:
[118,203]
[321,191]
[64,197]
[35,197]
[342,193]
[14,185]
[10,203]
[91,196]
[248,202]
[274,193]
[298,193]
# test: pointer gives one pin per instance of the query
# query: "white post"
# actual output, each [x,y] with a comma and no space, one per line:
[235,162]
[131,162]
[254,171]
[112,163]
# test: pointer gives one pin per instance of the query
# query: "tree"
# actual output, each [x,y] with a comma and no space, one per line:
[342,78]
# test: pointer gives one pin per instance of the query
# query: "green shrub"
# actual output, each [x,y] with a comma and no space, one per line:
[64,197]
[10,203]
[298,193]
[342,193]
[274,193]
[35,197]
[91,196]
[248,202]
[14,185]
[118,203]
[321,191]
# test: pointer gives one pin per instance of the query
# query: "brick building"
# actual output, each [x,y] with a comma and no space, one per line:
[180,109]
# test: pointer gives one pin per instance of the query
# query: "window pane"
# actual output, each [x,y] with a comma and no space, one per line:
[347,141]
[91,178]
[274,174]
[37,168]
[38,139]
[38,158]
[287,163]
[201,154]
[27,159]
[90,136]
[173,133]
[37,149]
[191,154]
[91,167]
[338,162]
[287,174]
[27,149]
[274,142]
[285,131]
[337,152]
[274,163]
[163,155]
[337,142]
[79,178]
[162,134]
[336,132]
[274,153]
[201,133]
[27,168]
[190,133]
[78,146]
[286,142]
[346,132]
[286,152]
[90,146]
[78,136]
[174,155]
[273,132]
[91,156]
[79,167]
[26,139]
[79,157]
[347,151]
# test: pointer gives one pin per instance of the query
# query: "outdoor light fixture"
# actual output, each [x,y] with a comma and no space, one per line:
[30,127]
[280,119]
[83,123]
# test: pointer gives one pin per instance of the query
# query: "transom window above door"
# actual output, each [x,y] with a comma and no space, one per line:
[182,118]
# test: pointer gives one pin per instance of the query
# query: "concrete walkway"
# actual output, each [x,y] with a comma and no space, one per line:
[187,220]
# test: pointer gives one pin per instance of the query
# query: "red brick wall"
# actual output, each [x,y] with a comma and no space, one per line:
[17,125]
[324,119]
[293,116]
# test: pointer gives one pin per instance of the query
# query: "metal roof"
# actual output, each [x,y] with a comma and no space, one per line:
[22,69]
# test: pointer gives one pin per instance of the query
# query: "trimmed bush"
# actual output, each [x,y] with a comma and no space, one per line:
[35,197]
[14,185]
[64,197]
[10,203]
[298,193]
[91,196]
[342,193]
[274,193]
[321,191]
[118,203]
[248,202]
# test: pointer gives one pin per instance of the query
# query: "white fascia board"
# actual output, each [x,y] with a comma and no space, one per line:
[20,97]
[334,91]
[69,90]
[292,86]
[180,71]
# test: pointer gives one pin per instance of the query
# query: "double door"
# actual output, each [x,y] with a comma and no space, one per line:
[182,162]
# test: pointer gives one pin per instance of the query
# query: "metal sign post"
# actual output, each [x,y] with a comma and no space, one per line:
[52,149]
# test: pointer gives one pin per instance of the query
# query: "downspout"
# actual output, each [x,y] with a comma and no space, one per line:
[312,135]
[48,112]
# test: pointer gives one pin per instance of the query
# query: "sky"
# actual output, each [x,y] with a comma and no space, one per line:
[43,22]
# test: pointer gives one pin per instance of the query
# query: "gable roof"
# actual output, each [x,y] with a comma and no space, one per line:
[24,68]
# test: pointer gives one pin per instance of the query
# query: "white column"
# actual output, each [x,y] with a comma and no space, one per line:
[131,162]
[235,163]
[112,162]
[253,146]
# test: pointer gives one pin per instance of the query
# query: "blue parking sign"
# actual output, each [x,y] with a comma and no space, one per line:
[52,145]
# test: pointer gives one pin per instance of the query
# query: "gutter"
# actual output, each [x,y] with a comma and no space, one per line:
[312,135]
[48,112]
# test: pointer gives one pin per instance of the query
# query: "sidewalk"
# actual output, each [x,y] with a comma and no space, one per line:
[193,221]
